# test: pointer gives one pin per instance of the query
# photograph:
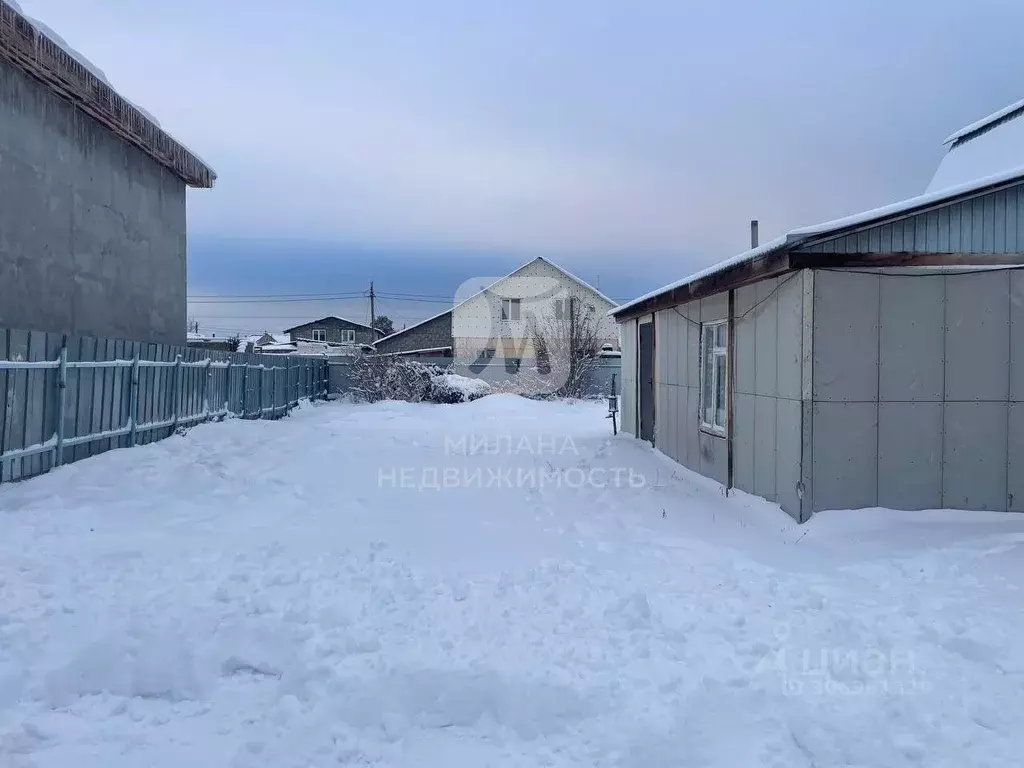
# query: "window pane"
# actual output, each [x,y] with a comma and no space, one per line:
[720,391]
[708,381]
[504,309]
[720,332]
[515,309]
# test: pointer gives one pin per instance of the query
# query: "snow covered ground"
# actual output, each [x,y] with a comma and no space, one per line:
[259,594]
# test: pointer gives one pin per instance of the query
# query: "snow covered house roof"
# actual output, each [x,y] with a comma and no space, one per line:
[36,49]
[564,272]
[807,237]
[333,317]
[983,148]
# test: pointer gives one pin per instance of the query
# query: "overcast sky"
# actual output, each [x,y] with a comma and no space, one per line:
[633,140]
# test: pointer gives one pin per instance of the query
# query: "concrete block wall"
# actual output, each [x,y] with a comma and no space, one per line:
[918,384]
[92,230]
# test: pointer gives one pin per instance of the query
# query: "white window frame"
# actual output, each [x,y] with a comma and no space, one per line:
[709,356]
[349,334]
[319,334]
[510,310]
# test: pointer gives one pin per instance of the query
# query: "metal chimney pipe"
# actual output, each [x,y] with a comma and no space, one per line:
[753,233]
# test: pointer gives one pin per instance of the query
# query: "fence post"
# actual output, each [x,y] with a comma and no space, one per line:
[62,388]
[175,393]
[287,384]
[245,387]
[273,387]
[206,388]
[133,401]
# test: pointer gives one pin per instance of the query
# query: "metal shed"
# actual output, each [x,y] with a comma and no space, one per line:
[876,360]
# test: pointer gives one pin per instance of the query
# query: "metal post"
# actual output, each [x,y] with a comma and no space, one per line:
[245,387]
[287,384]
[62,388]
[273,386]
[133,402]
[175,393]
[206,388]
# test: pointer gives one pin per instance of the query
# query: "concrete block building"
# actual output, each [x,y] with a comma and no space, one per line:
[876,360]
[334,330]
[92,198]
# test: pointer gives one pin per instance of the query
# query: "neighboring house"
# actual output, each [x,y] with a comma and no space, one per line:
[874,360]
[92,202]
[498,320]
[334,330]
[199,341]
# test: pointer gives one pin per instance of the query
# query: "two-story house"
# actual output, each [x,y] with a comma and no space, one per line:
[500,319]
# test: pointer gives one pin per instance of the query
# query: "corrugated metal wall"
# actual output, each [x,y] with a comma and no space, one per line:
[767,396]
[918,385]
[991,223]
[627,340]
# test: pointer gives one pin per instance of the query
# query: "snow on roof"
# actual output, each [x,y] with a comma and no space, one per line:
[331,317]
[800,235]
[281,338]
[999,148]
[419,351]
[550,263]
[762,250]
[193,336]
[985,121]
[99,99]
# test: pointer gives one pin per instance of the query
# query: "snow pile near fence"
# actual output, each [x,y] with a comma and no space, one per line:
[496,584]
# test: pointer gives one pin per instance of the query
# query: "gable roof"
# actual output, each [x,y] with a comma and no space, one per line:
[983,148]
[521,267]
[801,236]
[332,317]
[35,49]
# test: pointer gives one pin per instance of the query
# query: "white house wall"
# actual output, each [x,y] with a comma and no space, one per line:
[627,331]
[477,324]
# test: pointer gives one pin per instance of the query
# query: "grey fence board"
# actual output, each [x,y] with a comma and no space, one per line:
[122,393]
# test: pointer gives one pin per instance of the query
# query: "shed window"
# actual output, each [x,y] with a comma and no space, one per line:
[319,334]
[714,376]
[510,309]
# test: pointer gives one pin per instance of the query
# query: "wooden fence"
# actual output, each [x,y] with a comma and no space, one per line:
[65,398]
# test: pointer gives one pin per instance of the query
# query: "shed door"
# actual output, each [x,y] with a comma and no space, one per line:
[645,374]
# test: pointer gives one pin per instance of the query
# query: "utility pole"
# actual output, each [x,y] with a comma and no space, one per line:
[373,306]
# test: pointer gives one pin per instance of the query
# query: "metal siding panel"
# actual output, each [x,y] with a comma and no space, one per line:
[845,460]
[745,340]
[862,242]
[788,339]
[713,457]
[943,235]
[977,225]
[920,233]
[788,437]
[766,340]
[931,224]
[910,455]
[1016,341]
[999,224]
[1015,458]
[1019,207]
[693,344]
[899,236]
[1012,243]
[911,338]
[989,224]
[713,308]
[975,458]
[627,339]
[743,442]
[693,432]
[875,239]
[764,446]
[955,235]
[845,336]
[977,336]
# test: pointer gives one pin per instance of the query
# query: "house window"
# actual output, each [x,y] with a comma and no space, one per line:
[348,335]
[714,376]
[561,309]
[510,309]
[319,334]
